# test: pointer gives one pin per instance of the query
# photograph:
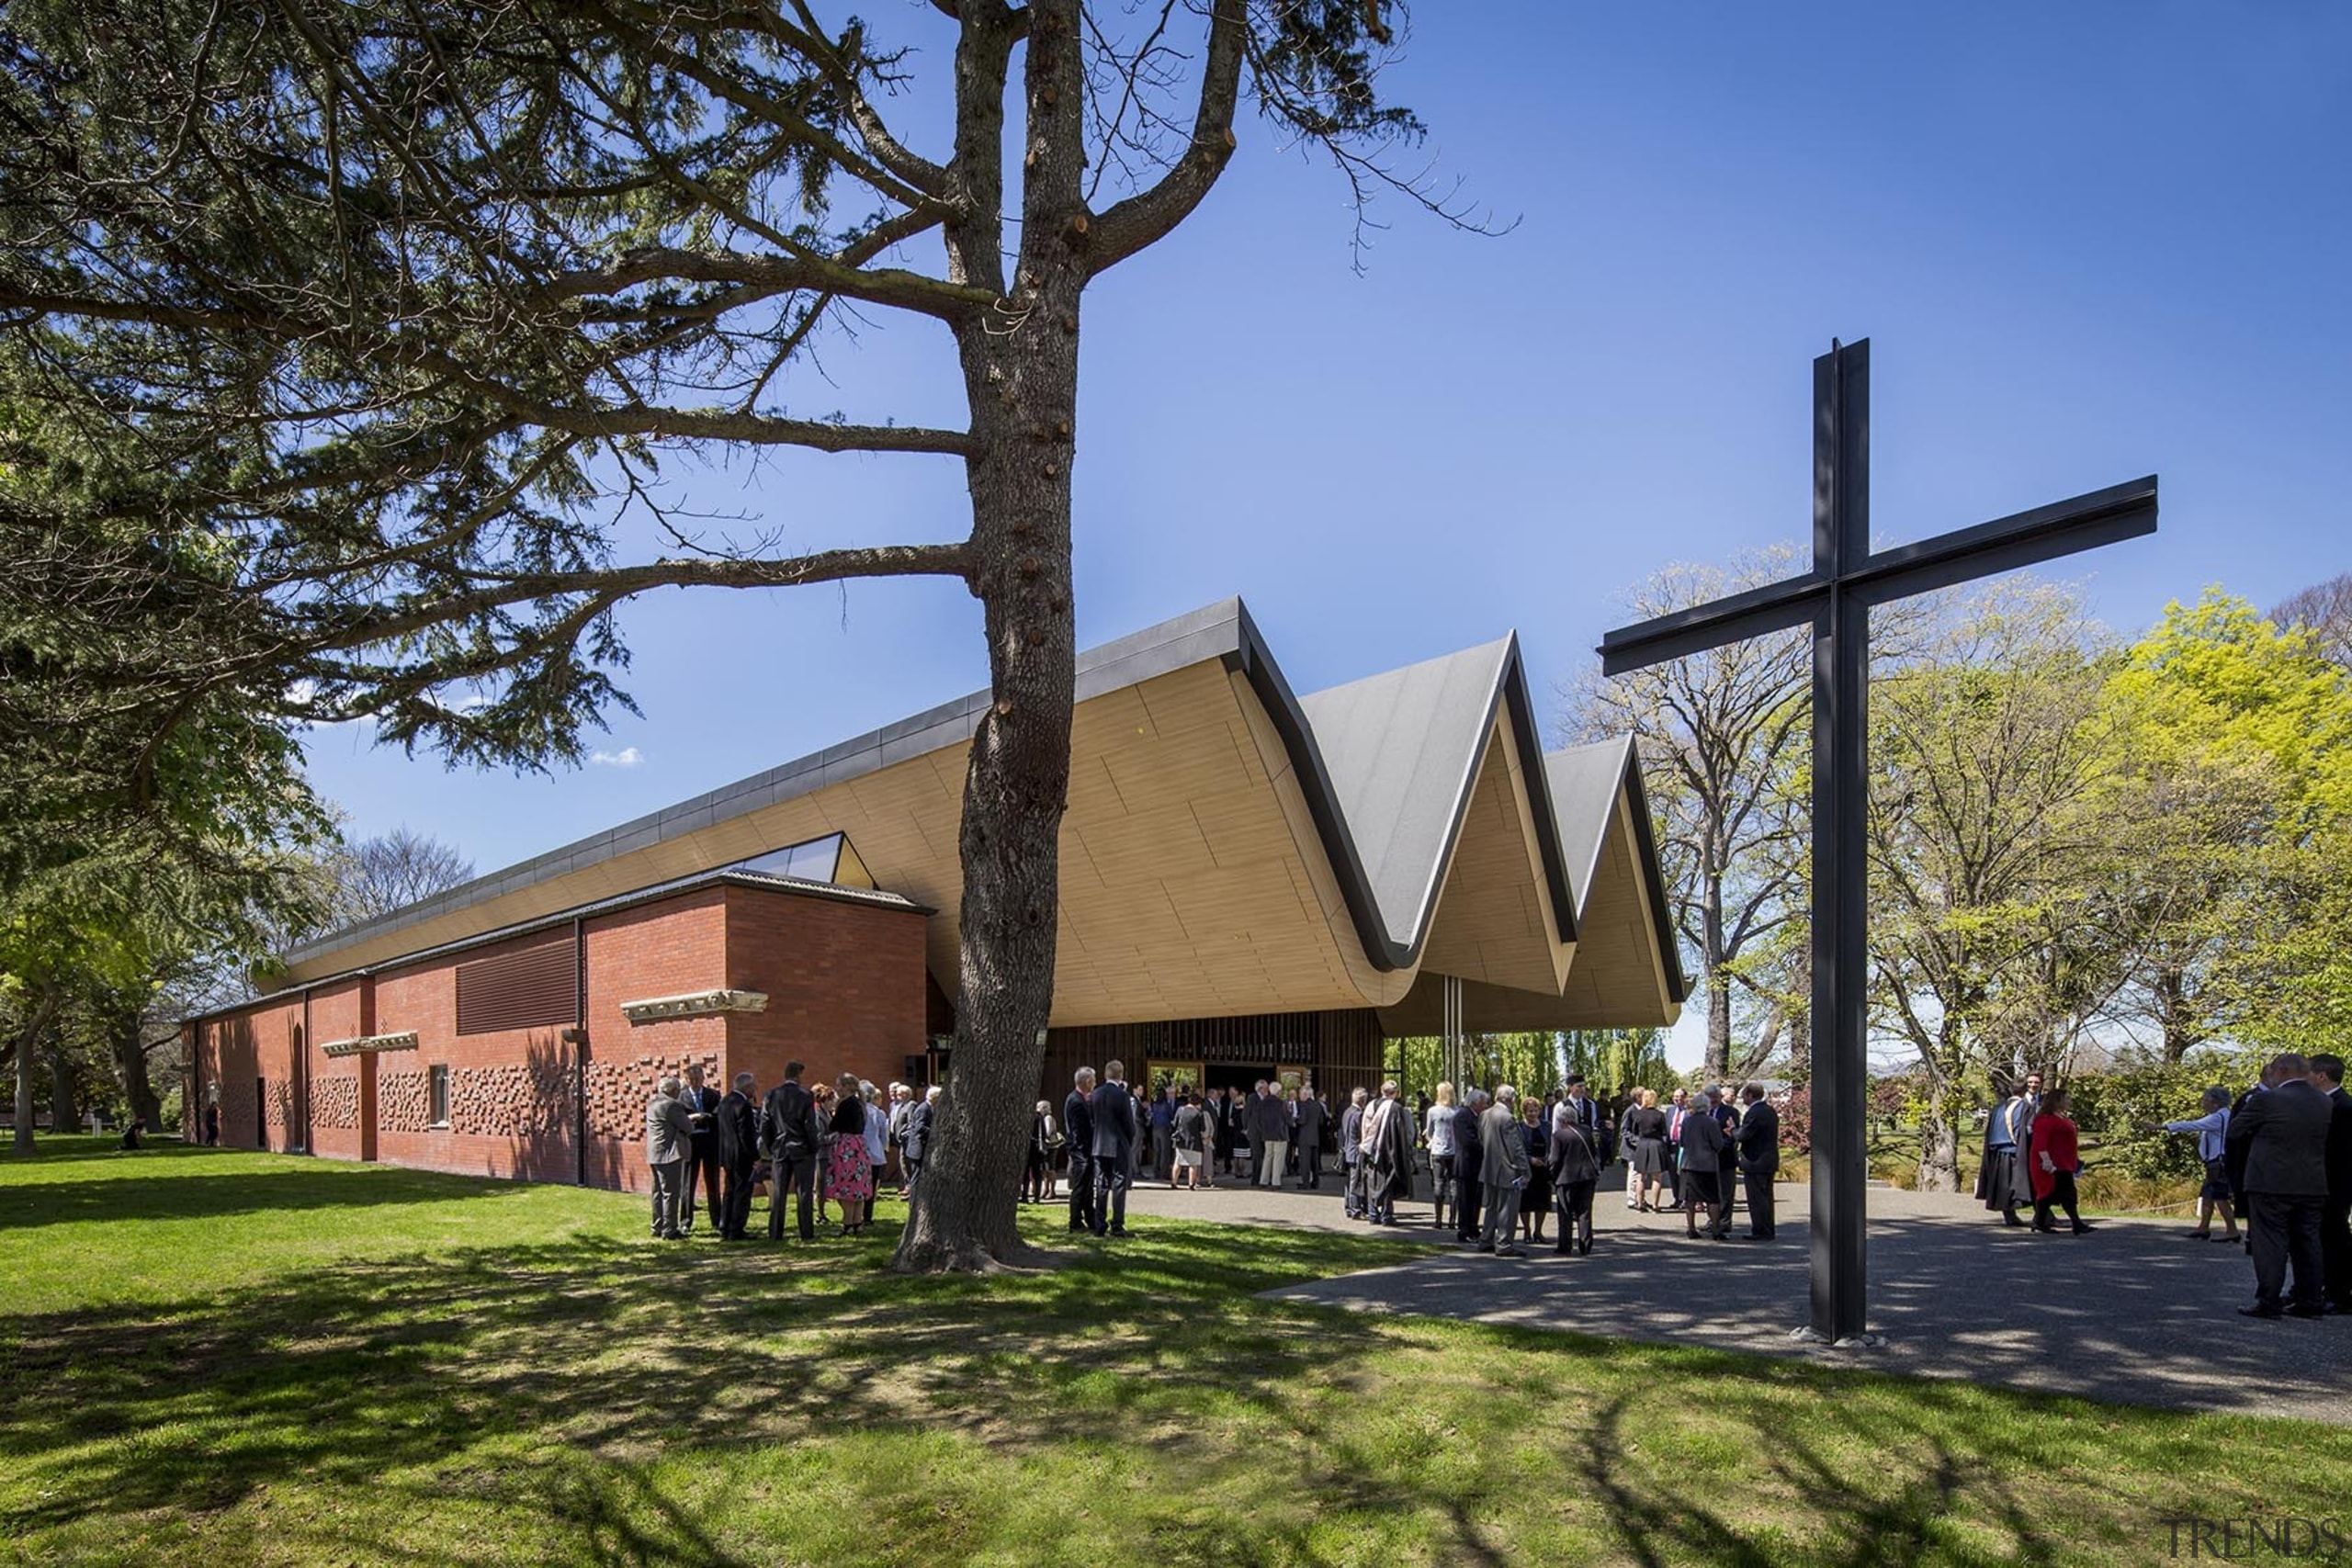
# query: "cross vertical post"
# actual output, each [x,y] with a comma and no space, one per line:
[1840,1023]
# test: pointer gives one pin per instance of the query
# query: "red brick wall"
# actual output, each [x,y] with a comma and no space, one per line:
[335,1080]
[512,1109]
[845,983]
[846,991]
[260,1043]
[655,950]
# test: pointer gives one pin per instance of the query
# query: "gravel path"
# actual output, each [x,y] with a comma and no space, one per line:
[2134,1312]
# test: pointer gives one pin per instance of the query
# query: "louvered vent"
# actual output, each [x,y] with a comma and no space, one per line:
[532,988]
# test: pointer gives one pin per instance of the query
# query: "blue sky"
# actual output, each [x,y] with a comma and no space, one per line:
[2086,242]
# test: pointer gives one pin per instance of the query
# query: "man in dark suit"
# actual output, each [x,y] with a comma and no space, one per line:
[738,1154]
[2233,1155]
[1758,1141]
[1352,1202]
[1078,1126]
[1114,1141]
[1726,1115]
[1308,1138]
[702,1159]
[2284,1132]
[2335,1214]
[914,1136]
[788,1133]
[1469,1165]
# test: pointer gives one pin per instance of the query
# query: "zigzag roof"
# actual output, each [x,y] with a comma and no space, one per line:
[1229,848]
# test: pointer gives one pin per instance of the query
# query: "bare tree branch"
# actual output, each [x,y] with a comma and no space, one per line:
[1150,215]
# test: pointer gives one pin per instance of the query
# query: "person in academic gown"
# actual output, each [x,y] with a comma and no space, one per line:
[2001,1183]
[1388,1156]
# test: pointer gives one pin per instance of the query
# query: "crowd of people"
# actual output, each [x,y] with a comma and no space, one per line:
[1500,1163]
[2278,1157]
[813,1148]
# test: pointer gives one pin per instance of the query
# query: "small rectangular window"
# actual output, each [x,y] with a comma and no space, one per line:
[437,1096]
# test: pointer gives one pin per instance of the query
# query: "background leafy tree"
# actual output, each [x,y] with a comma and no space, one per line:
[140,824]
[1993,879]
[2238,740]
[1614,1060]
[2324,610]
[1725,738]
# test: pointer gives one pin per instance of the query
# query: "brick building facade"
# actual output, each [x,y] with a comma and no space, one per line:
[1253,883]
[531,1053]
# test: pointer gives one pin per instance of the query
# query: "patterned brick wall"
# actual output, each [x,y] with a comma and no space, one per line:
[285,1114]
[514,1100]
[403,1101]
[617,1092]
[334,1104]
[846,985]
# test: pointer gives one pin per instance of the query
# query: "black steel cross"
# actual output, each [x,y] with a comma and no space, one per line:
[1835,596]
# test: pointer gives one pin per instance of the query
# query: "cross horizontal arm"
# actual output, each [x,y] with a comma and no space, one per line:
[1774,607]
[2027,538]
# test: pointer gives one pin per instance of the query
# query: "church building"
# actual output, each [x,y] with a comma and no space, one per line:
[1254,885]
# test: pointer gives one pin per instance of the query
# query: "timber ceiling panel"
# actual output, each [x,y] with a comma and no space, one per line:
[1490,923]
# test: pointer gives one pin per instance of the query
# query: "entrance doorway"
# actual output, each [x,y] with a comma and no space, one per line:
[1242,1078]
[1184,1077]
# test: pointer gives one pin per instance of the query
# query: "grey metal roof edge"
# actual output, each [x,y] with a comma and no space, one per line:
[1530,740]
[1385,950]
[1465,786]
[1670,943]
[1508,689]
[725,876]
[1212,631]
[1601,840]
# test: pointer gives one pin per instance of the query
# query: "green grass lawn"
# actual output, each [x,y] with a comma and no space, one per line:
[225,1358]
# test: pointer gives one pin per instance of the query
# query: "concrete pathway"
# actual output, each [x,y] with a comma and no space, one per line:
[2134,1312]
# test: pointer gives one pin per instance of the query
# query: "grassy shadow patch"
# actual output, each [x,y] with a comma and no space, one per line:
[449,1381]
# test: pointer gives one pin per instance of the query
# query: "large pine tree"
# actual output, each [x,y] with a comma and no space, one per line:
[414,293]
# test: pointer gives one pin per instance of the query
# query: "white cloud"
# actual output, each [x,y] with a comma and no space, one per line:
[626,757]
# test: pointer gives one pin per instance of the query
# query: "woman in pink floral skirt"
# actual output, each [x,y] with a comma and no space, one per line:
[849,1177]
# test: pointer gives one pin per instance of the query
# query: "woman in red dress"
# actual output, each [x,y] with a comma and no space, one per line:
[2051,1158]
[849,1176]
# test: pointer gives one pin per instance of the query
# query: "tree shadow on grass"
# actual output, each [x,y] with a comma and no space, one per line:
[186,1190]
[545,1382]
[67,1148]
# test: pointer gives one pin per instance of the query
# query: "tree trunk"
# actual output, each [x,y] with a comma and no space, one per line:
[130,1067]
[1939,1146]
[62,1113]
[24,1138]
[1021,383]
[1718,1061]
[2172,1007]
